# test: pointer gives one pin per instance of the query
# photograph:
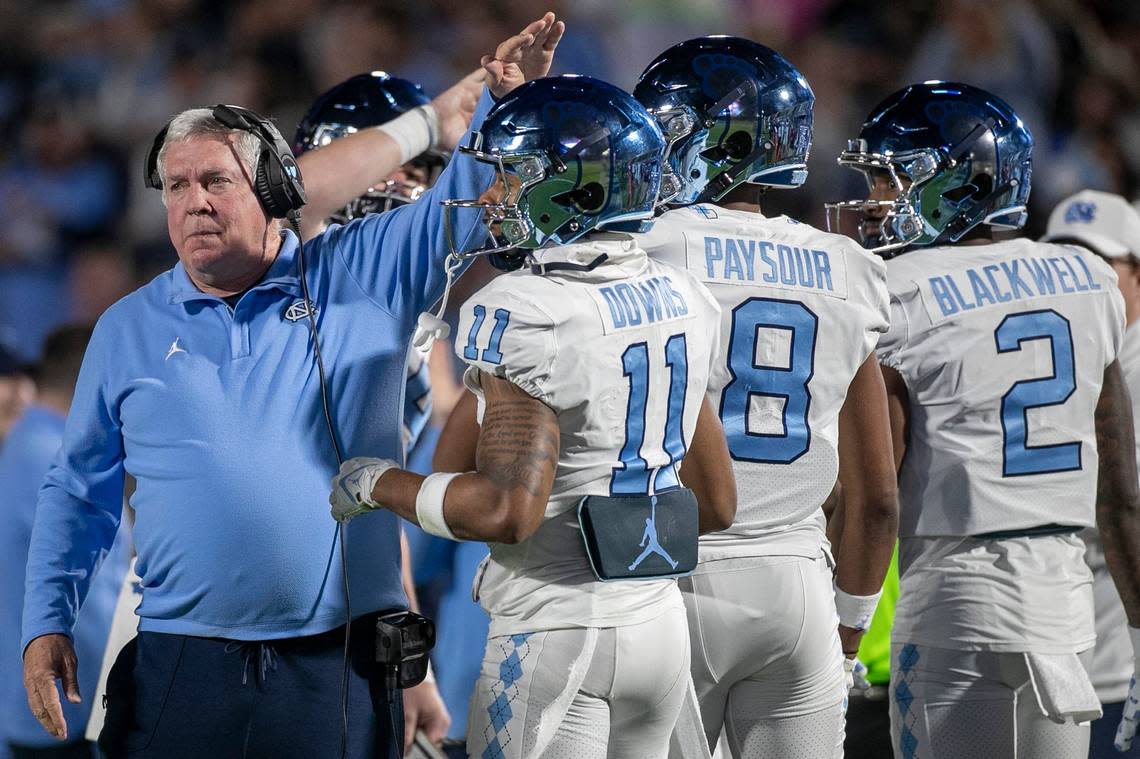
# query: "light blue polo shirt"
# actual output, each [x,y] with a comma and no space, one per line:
[25,458]
[217,414]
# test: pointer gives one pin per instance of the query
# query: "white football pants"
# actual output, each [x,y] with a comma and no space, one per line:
[767,663]
[948,704]
[581,693]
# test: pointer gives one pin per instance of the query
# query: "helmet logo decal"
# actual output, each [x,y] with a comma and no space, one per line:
[721,73]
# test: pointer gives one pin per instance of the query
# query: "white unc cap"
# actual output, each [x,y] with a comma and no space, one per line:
[1101,221]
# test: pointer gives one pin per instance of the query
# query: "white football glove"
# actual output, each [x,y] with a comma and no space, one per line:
[856,673]
[1131,717]
[352,487]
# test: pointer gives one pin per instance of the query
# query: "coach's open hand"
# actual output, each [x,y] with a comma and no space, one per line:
[49,658]
[523,57]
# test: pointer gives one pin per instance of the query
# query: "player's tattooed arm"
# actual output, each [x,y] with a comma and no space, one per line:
[1118,494]
[504,500]
[707,471]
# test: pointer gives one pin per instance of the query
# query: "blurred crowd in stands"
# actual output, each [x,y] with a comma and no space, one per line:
[84,86]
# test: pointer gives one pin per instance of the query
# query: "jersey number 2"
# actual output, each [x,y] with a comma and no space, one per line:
[1018,457]
[631,477]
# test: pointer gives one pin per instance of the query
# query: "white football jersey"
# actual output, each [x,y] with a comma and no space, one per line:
[801,310]
[1003,349]
[622,355]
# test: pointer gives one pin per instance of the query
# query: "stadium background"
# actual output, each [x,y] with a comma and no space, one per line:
[84,86]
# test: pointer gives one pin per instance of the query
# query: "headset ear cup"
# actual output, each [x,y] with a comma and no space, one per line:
[262,185]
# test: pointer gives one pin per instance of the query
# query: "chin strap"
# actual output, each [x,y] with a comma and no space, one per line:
[537,267]
[431,327]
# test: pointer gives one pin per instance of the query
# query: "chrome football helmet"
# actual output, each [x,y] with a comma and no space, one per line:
[735,112]
[573,154]
[360,102]
[951,155]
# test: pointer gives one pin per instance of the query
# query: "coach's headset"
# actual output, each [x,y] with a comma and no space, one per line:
[277,178]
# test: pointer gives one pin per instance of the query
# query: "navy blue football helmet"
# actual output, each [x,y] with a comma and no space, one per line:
[574,154]
[360,102]
[958,157]
[734,111]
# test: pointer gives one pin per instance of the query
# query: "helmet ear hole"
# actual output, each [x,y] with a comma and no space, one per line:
[984,184]
[978,187]
[589,198]
[738,145]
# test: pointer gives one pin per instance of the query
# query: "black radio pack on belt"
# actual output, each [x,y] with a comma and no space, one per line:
[403,641]
[645,537]
[277,179]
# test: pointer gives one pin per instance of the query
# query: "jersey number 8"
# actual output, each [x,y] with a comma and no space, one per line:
[750,379]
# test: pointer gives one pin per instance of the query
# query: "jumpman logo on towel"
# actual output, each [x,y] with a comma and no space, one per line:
[649,539]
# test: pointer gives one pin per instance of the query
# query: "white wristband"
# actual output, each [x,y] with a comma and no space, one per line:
[855,611]
[429,504]
[414,132]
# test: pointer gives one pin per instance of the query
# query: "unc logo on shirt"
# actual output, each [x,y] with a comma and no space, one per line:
[300,309]
[1080,212]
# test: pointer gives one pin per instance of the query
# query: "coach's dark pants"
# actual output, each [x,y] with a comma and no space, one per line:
[73,750]
[181,697]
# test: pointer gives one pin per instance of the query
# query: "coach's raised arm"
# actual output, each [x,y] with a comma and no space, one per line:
[207,386]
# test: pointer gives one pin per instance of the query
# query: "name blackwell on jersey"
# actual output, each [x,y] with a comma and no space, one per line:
[1016,279]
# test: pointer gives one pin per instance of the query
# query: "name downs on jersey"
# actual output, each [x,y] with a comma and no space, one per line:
[756,262]
[639,302]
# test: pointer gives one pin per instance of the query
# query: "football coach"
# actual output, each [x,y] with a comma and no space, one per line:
[207,385]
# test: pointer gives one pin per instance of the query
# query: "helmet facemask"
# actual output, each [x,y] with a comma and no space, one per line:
[544,200]
[885,226]
[942,193]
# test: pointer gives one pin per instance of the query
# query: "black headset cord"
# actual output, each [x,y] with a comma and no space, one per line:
[294,219]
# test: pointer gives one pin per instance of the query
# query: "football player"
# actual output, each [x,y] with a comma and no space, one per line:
[801,312]
[1014,429]
[1108,226]
[590,366]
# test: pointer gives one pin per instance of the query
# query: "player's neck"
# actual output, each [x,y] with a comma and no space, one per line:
[744,197]
[979,235]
